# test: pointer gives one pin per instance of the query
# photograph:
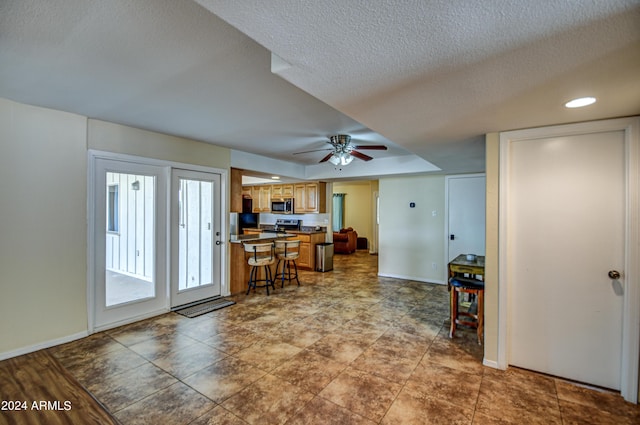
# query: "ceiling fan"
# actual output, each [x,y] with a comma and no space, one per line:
[343,151]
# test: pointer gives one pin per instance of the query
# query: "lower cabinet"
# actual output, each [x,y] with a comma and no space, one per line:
[307,256]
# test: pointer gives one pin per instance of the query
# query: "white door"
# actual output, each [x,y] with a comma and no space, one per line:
[566,231]
[465,215]
[129,221]
[196,236]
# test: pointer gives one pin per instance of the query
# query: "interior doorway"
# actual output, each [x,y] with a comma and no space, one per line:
[465,212]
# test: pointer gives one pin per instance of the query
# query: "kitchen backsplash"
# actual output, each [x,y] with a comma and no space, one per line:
[308,220]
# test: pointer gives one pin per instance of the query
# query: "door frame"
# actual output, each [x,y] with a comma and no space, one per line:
[446,210]
[92,156]
[631,304]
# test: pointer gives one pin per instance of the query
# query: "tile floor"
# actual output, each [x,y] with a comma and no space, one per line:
[346,347]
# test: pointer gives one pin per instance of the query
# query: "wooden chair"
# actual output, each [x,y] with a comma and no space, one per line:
[287,252]
[468,285]
[260,255]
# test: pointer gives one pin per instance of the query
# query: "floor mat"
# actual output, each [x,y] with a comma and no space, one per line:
[204,307]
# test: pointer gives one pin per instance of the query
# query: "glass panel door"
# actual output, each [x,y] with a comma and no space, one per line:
[129,228]
[195,235]
[130,238]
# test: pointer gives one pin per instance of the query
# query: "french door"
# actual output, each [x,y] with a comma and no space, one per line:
[130,241]
[196,236]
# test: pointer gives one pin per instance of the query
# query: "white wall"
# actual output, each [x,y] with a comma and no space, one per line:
[412,239]
[43,225]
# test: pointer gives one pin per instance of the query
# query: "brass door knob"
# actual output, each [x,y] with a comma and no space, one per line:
[614,274]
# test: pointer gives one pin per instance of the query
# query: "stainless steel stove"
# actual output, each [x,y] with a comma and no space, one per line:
[287,224]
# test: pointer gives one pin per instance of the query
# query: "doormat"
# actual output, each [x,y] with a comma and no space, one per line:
[204,308]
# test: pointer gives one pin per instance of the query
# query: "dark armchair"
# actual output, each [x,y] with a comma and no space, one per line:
[345,241]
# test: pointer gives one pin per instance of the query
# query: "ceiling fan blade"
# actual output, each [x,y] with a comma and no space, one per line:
[361,156]
[326,158]
[314,150]
[373,147]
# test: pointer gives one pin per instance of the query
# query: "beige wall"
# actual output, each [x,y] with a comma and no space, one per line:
[491,245]
[43,225]
[116,138]
[43,186]
[412,239]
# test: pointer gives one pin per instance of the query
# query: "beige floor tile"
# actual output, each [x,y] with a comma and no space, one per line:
[322,412]
[218,416]
[444,383]
[513,403]
[415,408]
[118,391]
[269,400]
[362,393]
[176,404]
[309,370]
[223,379]
[267,354]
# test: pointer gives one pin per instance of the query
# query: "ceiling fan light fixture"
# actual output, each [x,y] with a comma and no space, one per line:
[346,159]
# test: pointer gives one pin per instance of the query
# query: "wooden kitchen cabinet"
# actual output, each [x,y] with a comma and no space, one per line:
[307,256]
[281,191]
[310,197]
[261,196]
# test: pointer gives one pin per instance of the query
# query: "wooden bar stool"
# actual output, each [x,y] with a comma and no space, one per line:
[287,252]
[468,285]
[260,255]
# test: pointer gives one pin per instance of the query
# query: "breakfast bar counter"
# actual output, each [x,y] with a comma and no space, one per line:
[239,270]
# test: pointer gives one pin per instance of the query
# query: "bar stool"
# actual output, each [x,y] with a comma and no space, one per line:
[287,252]
[468,285]
[260,255]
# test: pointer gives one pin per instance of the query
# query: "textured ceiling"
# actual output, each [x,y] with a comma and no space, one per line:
[427,78]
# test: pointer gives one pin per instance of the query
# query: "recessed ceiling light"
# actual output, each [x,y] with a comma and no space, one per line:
[580,102]
[275,177]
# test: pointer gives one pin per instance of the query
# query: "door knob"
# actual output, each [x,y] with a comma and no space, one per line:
[614,274]
[218,243]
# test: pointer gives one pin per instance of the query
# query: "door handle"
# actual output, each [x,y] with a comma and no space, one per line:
[219,242]
[614,274]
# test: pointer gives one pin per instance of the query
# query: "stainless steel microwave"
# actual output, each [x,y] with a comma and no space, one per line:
[282,206]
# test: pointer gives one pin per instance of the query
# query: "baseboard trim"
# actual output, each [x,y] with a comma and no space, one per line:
[131,320]
[417,279]
[43,345]
[490,363]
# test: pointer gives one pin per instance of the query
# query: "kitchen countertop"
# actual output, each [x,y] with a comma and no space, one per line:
[265,236]
[303,231]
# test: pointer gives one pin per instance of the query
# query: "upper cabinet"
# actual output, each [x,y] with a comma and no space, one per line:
[261,196]
[309,197]
[280,191]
